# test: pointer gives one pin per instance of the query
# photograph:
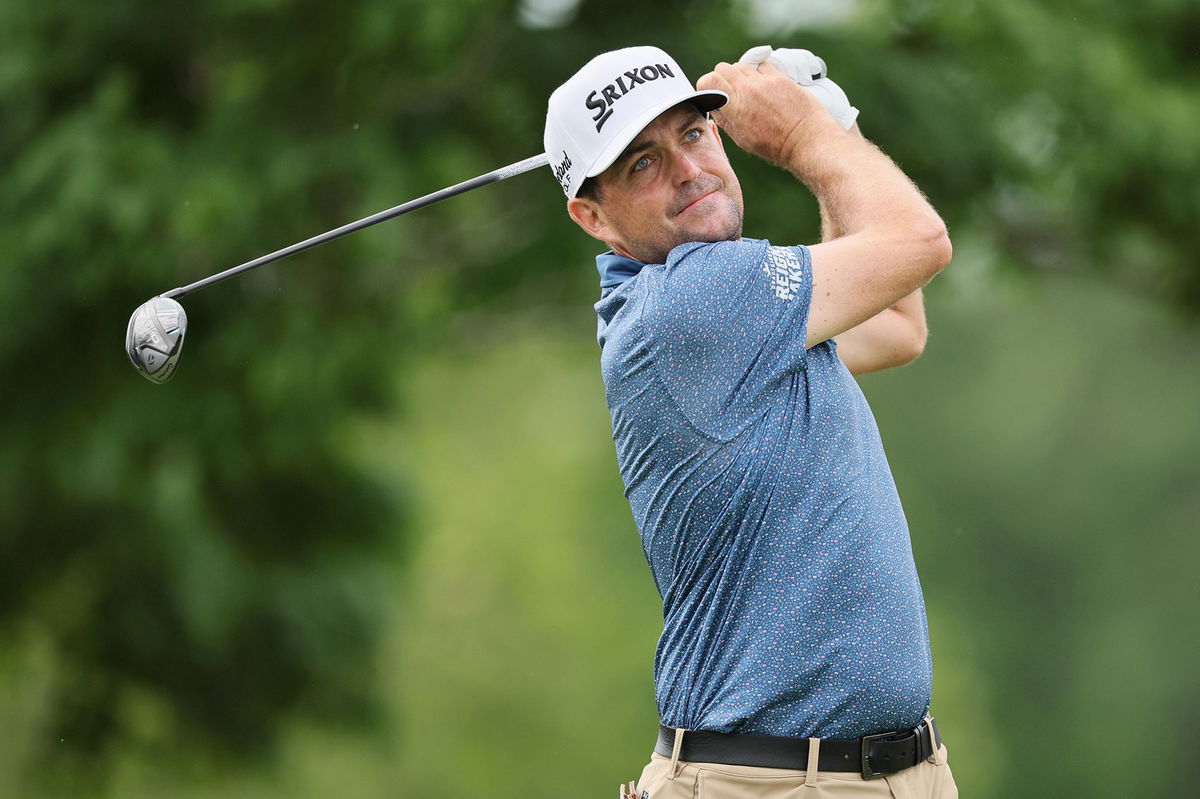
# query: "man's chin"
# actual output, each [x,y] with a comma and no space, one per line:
[710,231]
[726,227]
[721,223]
[732,234]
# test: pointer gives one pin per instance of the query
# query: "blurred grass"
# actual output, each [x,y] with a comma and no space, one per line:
[533,613]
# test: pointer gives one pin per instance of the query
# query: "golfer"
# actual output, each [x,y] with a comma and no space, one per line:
[795,650]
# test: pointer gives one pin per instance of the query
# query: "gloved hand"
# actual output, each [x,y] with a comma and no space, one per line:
[809,71]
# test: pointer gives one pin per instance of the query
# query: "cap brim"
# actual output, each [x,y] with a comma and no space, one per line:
[706,101]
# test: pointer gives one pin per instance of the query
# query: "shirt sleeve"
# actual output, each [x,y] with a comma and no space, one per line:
[727,325]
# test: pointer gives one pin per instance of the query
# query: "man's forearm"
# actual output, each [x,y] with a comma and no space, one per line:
[911,306]
[830,228]
[895,336]
[858,187]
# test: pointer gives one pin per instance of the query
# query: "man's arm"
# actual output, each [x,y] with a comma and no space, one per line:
[894,336]
[893,242]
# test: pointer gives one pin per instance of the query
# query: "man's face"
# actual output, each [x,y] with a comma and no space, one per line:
[671,185]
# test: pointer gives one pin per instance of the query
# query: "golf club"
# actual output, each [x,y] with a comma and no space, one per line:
[157,328]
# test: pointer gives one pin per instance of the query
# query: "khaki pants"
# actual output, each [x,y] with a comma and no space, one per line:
[930,779]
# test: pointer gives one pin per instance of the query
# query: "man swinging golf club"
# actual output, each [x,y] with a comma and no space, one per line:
[794,649]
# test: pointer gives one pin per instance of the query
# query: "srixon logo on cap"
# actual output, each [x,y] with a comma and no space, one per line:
[602,99]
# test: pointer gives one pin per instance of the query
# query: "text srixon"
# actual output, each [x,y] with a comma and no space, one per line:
[602,99]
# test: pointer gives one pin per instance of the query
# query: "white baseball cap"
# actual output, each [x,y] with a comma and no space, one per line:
[593,117]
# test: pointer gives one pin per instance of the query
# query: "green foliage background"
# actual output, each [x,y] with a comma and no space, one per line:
[370,540]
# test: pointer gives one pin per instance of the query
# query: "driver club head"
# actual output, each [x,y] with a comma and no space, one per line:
[155,337]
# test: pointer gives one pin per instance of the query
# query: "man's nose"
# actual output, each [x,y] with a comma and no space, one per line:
[684,167]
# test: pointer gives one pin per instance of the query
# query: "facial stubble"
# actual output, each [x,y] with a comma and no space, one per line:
[656,252]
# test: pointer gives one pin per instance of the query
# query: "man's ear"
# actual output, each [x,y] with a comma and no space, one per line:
[589,216]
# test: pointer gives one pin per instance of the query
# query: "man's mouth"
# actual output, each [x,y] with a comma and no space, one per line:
[698,199]
[709,184]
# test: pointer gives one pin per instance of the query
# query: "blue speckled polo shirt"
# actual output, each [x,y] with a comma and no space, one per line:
[766,506]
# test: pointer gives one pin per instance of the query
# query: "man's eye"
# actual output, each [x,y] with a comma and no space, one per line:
[693,134]
[641,164]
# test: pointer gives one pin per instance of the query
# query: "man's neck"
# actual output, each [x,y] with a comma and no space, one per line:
[616,268]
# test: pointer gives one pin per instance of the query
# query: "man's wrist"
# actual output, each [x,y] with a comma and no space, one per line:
[816,150]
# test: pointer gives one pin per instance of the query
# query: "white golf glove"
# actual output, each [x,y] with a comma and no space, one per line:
[809,71]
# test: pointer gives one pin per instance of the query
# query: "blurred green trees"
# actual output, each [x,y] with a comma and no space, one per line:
[199,566]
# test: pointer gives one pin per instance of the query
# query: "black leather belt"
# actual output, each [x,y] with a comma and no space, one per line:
[872,755]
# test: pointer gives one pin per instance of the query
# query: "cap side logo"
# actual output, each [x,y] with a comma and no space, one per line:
[602,100]
[560,172]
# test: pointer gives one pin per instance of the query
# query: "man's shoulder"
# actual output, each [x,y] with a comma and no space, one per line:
[697,253]
[739,271]
[707,267]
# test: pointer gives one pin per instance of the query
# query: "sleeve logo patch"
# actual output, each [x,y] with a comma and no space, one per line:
[784,271]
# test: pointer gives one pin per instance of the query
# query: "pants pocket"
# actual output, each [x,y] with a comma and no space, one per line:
[656,782]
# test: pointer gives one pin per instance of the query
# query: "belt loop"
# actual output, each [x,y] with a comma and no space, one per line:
[933,744]
[673,773]
[814,756]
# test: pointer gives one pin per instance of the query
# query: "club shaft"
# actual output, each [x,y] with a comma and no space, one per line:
[494,176]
